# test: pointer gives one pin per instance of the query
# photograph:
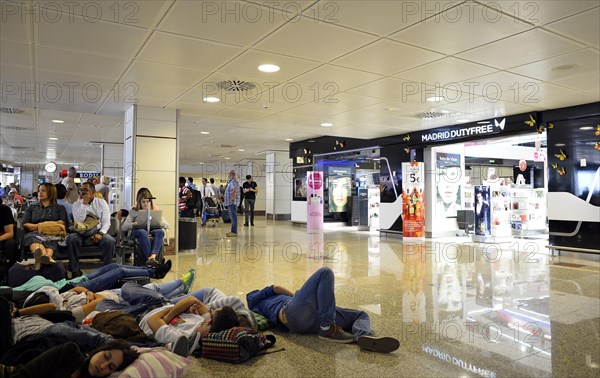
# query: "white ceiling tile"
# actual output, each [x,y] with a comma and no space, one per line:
[336,104]
[247,65]
[233,22]
[583,62]
[384,17]
[80,63]
[530,46]
[461,28]
[541,12]
[142,72]
[140,13]
[386,88]
[14,53]
[187,51]
[387,57]
[444,72]
[583,27]
[485,105]
[500,81]
[100,37]
[241,114]
[16,22]
[298,38]
[329,79]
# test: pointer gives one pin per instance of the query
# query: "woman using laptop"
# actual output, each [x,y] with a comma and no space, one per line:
[137,220]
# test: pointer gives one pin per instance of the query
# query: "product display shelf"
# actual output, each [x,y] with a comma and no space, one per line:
[374,198]
[527,210]
[500,211]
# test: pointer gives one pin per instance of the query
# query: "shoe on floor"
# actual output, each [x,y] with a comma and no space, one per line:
[335,334]
[37,255]
[231,234]
[245,224]
[46,260]
[180,347]
[378,344]
[188,279]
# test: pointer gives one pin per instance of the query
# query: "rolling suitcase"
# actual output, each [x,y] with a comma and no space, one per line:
[225,215]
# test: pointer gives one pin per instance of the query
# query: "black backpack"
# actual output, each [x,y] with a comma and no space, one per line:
[196,200]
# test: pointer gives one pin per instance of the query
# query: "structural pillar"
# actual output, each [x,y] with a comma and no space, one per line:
[278,185]
[150,159]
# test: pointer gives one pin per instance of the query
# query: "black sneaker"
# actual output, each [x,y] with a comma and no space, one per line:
[245,224]
[180,347]
[335,334]
[161,271]
[378,344]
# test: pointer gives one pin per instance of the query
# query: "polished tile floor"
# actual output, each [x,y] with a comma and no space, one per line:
[459,309]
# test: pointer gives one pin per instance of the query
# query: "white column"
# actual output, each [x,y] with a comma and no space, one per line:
[278,185]
[150,159]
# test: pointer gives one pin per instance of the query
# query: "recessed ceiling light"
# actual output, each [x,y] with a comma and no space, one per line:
[289,140]
[201,163]
[50,149]
[227,158]
[98,126]
[53,138]
[211,99]
[204,132]
[327,124]
[268,68]
[462,120]
[560,144]
[586,128]
[241,150]
[446,111]
[391,109]
[564,67]
[58,121]
[434,99]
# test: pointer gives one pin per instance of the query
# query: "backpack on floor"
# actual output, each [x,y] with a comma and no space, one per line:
[235,345]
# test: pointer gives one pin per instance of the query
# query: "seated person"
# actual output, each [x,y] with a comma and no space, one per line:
[189,319]
[37,239]
[89,204]
[9,253]
[312,310]
[149,248]
[61,199]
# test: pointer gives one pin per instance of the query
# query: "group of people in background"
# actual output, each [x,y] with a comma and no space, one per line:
[229,198]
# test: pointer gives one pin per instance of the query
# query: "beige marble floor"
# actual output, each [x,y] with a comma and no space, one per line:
[459,309]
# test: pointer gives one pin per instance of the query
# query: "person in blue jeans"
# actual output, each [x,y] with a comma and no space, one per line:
[106,277]
[232,201]
[312,310]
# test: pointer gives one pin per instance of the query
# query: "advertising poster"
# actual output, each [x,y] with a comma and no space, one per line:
[413,200]
[448,180]
[339,193]
[482,211]
[314,200]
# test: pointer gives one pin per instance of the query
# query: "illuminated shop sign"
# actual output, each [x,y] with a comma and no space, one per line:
[464,132]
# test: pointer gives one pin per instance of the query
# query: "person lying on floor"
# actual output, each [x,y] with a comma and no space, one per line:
[312,310]
[183,324]
[67,360]
[103,278]
[81,301]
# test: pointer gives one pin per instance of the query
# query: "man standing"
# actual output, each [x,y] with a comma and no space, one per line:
[215,189]
[89,204]
[250,190]
[185,194]
[232,201]
[69,183]
[190,183]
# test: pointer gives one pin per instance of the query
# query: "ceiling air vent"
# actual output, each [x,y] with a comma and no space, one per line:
[18,128]
[434,115]
[12,111]
[236,85]
[21,148]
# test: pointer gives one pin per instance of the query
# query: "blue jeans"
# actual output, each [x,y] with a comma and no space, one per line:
[198,294]
[233,215]
[314,305]
[167,289]
[106,277]
[74,242]
[86,338]
[140,235]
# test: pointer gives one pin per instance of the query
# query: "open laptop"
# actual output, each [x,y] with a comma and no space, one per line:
[142,219]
